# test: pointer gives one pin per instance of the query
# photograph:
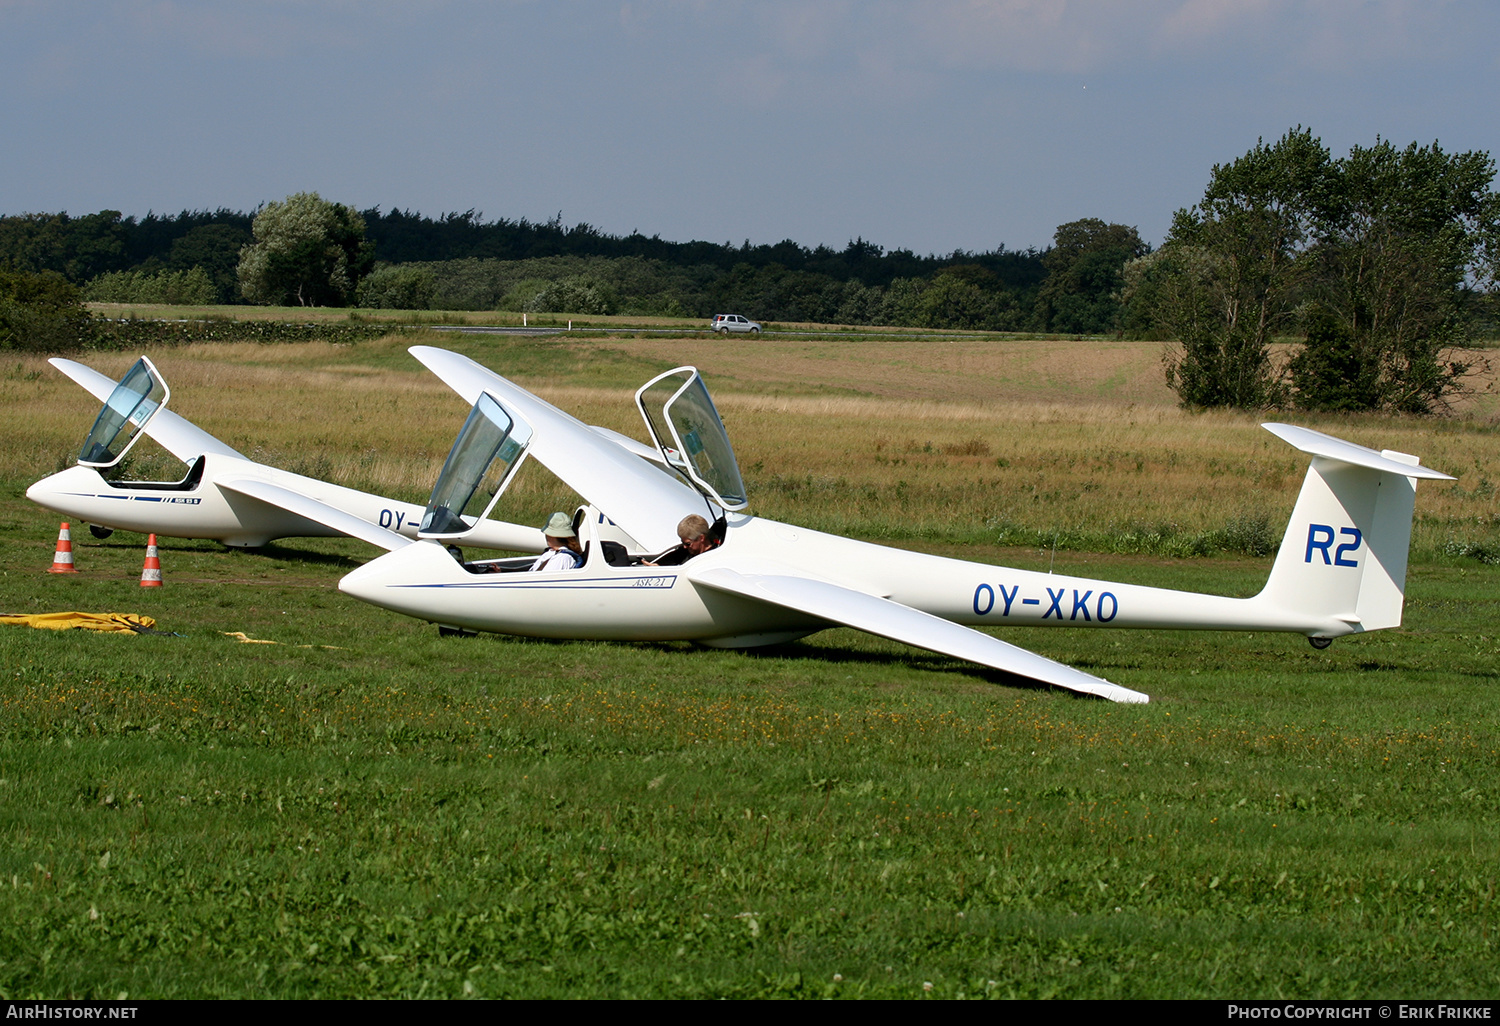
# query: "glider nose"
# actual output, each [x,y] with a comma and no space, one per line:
[401,579]
[369,582]
[47,492]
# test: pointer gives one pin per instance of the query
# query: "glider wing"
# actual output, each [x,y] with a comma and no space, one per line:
[888,619]
[318,512]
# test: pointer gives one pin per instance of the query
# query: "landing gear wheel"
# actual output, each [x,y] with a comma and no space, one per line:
[455,632]
[1320,643]
[100,532]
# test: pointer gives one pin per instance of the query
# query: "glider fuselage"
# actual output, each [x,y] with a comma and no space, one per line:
[198,507]
[644,603]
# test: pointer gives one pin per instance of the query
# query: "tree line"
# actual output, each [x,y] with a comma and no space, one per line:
[1298,279]
[309,250]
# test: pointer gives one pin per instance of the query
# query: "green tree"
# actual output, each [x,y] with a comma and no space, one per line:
[574,294]
[395,287]
[307,252]
[1404,237]
[1182,292]
[965,296]
[1391,243]
[216,249]
[192,287]
[901,304]
[1256,219]
[1081,292]
[77,247]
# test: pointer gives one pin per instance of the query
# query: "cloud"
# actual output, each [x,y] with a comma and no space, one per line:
[1091,36]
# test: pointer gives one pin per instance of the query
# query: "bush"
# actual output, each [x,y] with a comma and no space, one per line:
[132,335]
[1332,372]
[522,294]
[41,313]
[398,288]
[575,294]
[1249,533]
[173,288]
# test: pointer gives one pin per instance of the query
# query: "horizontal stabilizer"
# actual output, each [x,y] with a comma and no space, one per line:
[888,619]
[318,512]
[178,436]
[1316,443]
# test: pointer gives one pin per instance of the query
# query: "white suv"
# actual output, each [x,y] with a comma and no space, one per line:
[725,323]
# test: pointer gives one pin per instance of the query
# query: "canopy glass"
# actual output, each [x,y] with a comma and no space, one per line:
[135,400]
[484,458]
[687,429]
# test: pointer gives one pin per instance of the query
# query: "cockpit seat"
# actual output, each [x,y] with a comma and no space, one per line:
[615,554]
[187,484]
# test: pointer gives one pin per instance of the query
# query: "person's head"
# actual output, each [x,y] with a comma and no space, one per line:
[559,532]
[693,530]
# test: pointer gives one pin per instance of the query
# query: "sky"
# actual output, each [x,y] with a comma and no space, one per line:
[932,126]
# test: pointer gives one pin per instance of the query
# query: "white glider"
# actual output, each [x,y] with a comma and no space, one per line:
[1341,568]
[225,495]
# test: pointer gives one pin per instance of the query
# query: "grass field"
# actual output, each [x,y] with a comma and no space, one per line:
[360,808]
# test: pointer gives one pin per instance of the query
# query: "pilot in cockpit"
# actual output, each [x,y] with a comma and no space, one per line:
[697,538]
[563,551]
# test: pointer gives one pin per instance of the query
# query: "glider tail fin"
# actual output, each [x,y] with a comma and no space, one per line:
[1344,552]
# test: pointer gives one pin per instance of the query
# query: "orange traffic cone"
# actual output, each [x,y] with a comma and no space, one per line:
[151,572]
[62,562]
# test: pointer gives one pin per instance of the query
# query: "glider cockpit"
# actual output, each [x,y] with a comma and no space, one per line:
[485,457]
[692,449]
[141,394]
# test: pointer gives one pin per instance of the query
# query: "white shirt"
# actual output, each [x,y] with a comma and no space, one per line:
[556,559]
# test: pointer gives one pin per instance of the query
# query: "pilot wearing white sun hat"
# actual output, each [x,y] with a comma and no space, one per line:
[562,552]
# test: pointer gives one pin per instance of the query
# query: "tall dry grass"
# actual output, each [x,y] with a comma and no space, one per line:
[884,440]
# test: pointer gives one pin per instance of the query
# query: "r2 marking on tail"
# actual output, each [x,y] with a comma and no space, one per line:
[1320,537]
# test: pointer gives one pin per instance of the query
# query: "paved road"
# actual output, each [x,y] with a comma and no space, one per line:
[495,329]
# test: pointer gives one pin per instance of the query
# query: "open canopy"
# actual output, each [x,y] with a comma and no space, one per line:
[134,401]
[484,458]
[686,427]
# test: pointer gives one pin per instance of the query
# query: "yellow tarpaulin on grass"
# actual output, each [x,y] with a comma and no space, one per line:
[125,623]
